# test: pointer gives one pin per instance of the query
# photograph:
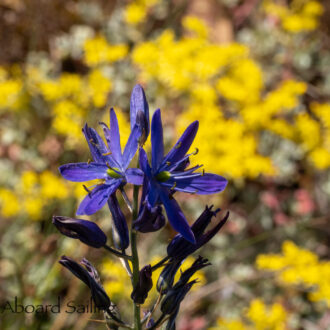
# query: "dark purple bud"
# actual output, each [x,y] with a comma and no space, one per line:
[99,296]
[86,231]
[180,248]
[150,218]
[199,263]
[139,112]
[140,292]
[174,297]
[119,226]
[166,277]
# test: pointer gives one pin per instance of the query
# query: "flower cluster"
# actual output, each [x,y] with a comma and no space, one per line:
[160,179]
[297,266]
[259,317]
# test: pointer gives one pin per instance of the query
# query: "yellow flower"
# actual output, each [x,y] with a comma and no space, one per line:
[99,51]
[9,202]
[196,26]
[135,13]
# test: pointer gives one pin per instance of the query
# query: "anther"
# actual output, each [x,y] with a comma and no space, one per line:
[107,153]
[173,187]
[168,163]
[178,145]
[89,191]
[89,161]
[196,151]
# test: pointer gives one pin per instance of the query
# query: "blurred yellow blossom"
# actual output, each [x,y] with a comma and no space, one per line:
[298,16]
[259,317]
[136,11]
[9,202]
[299,266]
[99,51]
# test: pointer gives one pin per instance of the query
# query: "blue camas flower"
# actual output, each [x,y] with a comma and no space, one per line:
[109,165]
[169,174]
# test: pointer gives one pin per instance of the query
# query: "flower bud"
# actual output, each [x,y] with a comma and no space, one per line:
[140,292]
[139,112]
[86,231]
[174,297]
[150,218]
[180,248]
[99,296]
[119,226]
[166,277]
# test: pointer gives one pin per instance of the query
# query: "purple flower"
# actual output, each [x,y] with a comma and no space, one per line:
[169,174]
[109,165]
[86,231]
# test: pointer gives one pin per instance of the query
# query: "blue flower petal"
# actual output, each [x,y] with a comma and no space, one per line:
[131,146]
[203,184]
[115,137]
[80,172]
[176,216]
[134,176]
[97,147]
[139,103]
[153,193]
[96,199]
[157,144]
[183,144]
[144,164]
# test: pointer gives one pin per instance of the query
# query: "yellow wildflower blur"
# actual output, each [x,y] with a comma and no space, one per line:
[259,317]
[298,16]
[136,11]
[299,266]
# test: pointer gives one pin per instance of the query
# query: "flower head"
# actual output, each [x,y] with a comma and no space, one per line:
[168,174]
[109,165]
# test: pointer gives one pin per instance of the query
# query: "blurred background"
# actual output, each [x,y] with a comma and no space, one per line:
[255,73]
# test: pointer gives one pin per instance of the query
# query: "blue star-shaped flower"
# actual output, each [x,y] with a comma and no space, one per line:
[109,165]
[168,174]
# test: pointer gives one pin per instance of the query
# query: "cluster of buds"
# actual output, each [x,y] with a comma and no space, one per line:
[166,175]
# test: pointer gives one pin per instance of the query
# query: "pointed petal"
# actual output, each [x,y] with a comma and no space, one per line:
[131,146]
[203,185]
[183,144]
[115,137]
[139,103]
[134,176]
[80,172]
[153,193]
[96,199]
[120,229]
[157,144]
[176,216]
[97,147]
[144,164]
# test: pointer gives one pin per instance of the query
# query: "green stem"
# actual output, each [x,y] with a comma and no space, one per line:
[135,258]
[117,253]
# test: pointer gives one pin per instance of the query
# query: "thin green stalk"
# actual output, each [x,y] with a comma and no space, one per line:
[117,253]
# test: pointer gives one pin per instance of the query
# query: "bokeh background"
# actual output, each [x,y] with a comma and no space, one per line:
[255,73]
